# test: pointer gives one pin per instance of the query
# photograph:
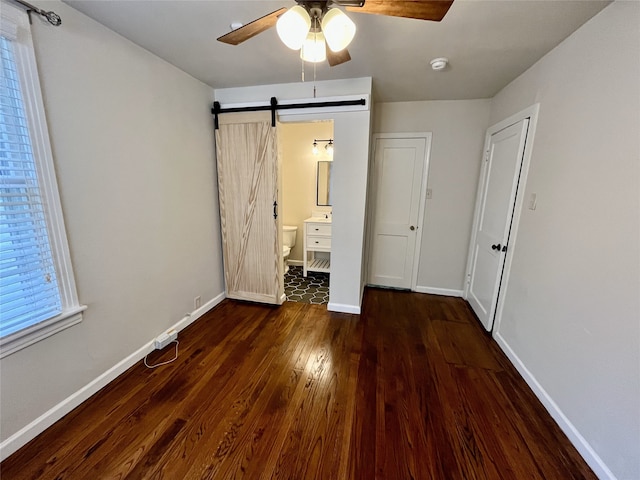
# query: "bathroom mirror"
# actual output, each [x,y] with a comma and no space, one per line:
[323,184]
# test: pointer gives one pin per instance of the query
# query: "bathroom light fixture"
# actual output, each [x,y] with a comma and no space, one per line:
[328,147]
[331,27]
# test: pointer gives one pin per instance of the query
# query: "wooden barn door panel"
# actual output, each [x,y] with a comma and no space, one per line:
[246,151]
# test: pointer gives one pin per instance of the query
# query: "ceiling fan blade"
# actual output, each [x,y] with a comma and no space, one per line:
[252,29]
[434,10]
[336,58]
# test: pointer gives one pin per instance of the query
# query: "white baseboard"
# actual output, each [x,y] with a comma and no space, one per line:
[44,421]
[578,441]
[342,308]
[296,263]
[196,314]
[449,292]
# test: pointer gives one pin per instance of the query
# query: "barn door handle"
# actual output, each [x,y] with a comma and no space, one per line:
[275,210]
[496,247]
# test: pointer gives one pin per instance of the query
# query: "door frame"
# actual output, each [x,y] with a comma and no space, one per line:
[531,113]
[427,136]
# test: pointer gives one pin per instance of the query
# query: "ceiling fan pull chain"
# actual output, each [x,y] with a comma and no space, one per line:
[315,38]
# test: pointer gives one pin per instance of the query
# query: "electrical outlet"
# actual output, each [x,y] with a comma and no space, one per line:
[197,303]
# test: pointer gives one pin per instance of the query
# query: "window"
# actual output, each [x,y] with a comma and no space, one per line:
[37,290]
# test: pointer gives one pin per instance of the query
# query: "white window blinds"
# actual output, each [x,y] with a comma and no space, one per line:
[38,295]
[29,291]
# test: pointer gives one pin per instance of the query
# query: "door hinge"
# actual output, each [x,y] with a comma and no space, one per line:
[486,156]
[275,209]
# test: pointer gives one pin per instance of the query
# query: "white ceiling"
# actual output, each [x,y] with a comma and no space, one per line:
[488,43]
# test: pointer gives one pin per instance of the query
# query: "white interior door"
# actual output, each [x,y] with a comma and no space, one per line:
[399,168]
[503,163]
[246,152]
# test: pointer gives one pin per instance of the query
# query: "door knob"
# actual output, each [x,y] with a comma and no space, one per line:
[496,247]
[412,228]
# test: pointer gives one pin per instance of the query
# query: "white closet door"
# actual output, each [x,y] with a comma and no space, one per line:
[246,151]
[499,189]
[399,167]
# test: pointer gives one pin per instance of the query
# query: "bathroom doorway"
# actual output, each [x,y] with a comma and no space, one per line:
[306,203]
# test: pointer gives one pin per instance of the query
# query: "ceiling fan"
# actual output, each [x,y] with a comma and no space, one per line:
[321,31]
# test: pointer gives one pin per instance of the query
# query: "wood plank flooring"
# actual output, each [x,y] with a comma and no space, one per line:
[411,389]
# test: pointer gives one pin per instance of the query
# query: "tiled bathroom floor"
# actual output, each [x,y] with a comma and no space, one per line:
[313,289]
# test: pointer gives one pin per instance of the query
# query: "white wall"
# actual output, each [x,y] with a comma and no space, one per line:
[132,140]
[572,307]
[299,171]
[458,129]
[350,171]
[293,91]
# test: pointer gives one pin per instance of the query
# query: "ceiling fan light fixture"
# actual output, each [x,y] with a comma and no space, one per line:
[314,48]
[338,29]
[293,27]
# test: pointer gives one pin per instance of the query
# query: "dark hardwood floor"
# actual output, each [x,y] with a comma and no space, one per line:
[411,389]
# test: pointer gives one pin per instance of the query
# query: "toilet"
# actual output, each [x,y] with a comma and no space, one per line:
[288,242]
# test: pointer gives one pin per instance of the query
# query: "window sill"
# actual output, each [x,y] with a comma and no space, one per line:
[19,340]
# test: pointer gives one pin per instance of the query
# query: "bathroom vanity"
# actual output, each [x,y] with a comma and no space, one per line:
[317,245]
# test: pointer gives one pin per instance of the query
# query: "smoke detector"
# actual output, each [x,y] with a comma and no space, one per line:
[438,64]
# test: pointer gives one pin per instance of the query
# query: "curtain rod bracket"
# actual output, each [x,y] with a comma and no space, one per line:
[52,17]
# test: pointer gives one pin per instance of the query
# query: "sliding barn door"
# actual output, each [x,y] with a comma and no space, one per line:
[246,151]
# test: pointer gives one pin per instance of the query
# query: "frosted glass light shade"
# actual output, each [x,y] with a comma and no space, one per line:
[338,29]
[293,26]
[314,48]
[329,148]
